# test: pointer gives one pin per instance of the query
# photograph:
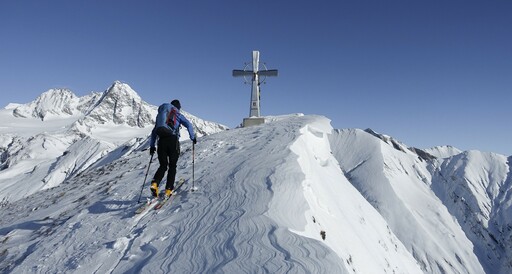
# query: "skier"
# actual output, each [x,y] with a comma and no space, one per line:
[167,129]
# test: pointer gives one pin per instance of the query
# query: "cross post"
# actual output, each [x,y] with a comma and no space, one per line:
[254,74]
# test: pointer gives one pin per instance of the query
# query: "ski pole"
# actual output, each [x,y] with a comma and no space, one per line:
[193,165]
[145,177]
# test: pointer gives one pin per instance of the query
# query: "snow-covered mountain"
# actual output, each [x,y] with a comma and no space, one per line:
[59,134]
[291,196]
[443,151]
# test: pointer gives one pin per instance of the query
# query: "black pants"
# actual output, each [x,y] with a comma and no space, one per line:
[168,150]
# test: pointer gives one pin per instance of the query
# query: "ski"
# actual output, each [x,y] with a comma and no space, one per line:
[146,205]
[164,201]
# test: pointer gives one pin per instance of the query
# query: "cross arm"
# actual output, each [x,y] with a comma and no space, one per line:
[238,73]
[270,72]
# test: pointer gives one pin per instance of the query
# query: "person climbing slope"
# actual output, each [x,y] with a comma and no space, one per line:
[167,131]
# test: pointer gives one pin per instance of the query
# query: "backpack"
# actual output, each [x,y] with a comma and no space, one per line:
[171,118]
[168,115]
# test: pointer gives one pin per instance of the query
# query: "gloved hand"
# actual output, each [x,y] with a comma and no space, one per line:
[152,150]
[194,141]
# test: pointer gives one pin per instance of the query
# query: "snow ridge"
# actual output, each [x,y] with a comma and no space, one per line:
[291,196]
[397,184]
[444,151]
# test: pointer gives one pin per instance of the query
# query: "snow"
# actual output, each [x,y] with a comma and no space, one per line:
[11,106]
[443,151]
[472,184]
[364,232]
[59,134]
[394,183]
[292,195]
[27,127]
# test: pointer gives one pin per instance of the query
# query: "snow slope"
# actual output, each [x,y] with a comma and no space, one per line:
[291,196]
[240,220]
[58,135]
[397,184]
[476,188]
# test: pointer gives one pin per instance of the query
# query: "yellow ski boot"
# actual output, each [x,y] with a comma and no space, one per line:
[168,193]
[154,189]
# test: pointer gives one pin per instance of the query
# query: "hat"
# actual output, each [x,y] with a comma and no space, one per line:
[176,103]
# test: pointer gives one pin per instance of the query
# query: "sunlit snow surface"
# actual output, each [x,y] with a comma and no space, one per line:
[290,196]
[58,135]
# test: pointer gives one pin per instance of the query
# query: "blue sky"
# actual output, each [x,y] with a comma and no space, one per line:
[425,72]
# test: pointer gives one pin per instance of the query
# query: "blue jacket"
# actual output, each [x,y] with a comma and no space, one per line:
[161,122]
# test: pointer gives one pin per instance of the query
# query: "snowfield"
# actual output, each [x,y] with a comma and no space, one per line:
[291,196]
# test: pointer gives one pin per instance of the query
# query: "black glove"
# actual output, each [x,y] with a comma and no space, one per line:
[194,141]
[152,150]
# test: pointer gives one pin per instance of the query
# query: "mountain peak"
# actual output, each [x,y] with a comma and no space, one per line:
[123,90]
[57,101]
[120,104]
[443,151]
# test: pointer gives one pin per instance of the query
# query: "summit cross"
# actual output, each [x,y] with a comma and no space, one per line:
[258,74]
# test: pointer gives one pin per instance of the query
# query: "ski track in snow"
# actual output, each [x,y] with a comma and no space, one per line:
[240,229]
[98,233]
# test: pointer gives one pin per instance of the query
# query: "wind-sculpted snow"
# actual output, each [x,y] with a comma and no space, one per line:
[221,228]
[235,188]
[289,196]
